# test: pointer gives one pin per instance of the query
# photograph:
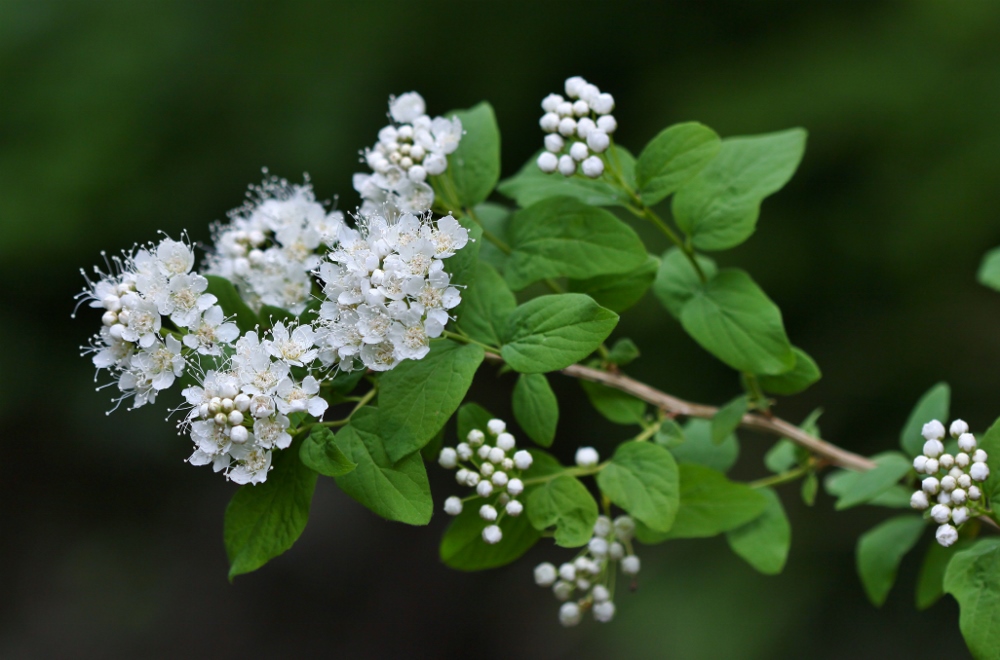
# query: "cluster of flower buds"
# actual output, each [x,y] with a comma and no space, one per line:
[592,572]
[410,149]
[272,244]
[951,479]
[578,128]
[490,463]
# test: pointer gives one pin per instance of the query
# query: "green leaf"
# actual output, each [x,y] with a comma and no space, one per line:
[785,454]
[669,435]
[532,185]
[719,207]
[474,167]
[764,541]
[989,269]
[934,404]
[549,333]
[990,443]
[494,218]
[485,306]
[728,418]
[623,352]
[642,478]
[464,549]
[472,416]
[710,504]
[843,482]
[418,396]
[620,291]
[345,381]
[565,503]
[563,237]
[264,520]
[810,485]
[676,280]
[736,322]
[320,453]
[231,302]
[892,466]
[699,449]
[881,549]
[802,375]
[930,582]
[973,578]
[464,264]
[536,408]
[674,156]
[542,465]
[396,490]
[615,405]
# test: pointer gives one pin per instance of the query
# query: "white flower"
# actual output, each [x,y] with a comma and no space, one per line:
[604,611]
[208,333]
[630,565]
[453,506]
[569,614]
[957,428]
[514,508]
[941,513]
[919,500]
[292,398]
[966,441]
[587,457]
[492,534]
[488,513]
[515,487]
[933,447]
[545,574]
[407,107]
[448,458]
[252,464]
[295,348]
[946,535]
[932,430]
[272,432]
[592,167]
[160,364]
[979,471]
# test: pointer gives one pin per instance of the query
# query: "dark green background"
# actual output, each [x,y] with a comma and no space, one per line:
[119,119]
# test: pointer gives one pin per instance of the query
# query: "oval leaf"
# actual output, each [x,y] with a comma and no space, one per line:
[802,375]
[464,549]
[474,167]
[319,452]
[973,578]
[531,185]
[642,478]
[764,541]
[881,549]
[536,408]
[619,292]
[485,306]
[566,504]
[672,157]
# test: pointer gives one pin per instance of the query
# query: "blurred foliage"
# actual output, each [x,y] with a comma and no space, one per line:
[119,119]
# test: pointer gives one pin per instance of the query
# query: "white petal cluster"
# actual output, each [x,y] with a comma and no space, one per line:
[239,415]
[272,243]
[950,488]
[578,128]
[411,148]
[141,290]
[387,292]
[592,572]
[491,463]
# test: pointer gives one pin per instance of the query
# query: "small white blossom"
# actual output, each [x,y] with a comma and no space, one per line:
[946,535]
[958,427]
[448,458]
[630,565]
[453,506]
[933,448]
[492,534]
[545,574]
[514,508]
[604,611]
[487,512]
[979,471]
[919,500]
[587,457]
[932,430]
[941,513]
[569,614]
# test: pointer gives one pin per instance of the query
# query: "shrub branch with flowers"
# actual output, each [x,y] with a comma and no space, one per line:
[309,343]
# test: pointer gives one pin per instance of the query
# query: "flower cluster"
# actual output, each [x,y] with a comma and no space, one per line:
[240,414]
[490,463]
[142,288]
[272,243]
[592,572]
[951,478]
[411,148]
[578,128]
[387,292]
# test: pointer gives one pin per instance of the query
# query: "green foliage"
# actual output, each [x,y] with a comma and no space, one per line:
[810,486]
[231,302]
[802,375]
[623,352]
[615,405]
[619,292]
[494,219]
[566,504]
[718,208]
[549,333]
[728,418]
[264,520]
[536,408]
[990,443]
[698,447]
[764,541]
[464,264]
[930,582]
[464,549]
[934,404]
[677,281]
[642,478]
[711,504]
[989,269]
[736,322]
[319,452]
[418,396]
[531,185]
[395,490]
[485,306]
[563,237]
[785,454]
[881,549]
[673,157]
[866,486]
[973,578]
[474,167]
[669,435]
[472,416]
[843,483]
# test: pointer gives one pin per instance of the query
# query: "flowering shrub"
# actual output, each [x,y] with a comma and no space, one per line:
[309,343]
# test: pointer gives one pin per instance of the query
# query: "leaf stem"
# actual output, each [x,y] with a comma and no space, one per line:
[465,339]
[487,234]
[784,477]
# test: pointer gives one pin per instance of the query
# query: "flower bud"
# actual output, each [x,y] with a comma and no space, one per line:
[932,466]
[979,471]
[598,546]
[545,574]
[462,476]
[551,102]
[958,427]
[581,108]
[241,402]
[499,479]
[492,534]
[584,127]
[567,572]
[604,104]
[496,455]
[948,483]
[598,140]
[933,448]
[448,458]
[221,418]
[592,167]
[464,451]
[944,497]
[567,126]
[624,527]
[567,166]
[549,122]
[574,86]
[962,460]
[554,143]
[487,469]
[569,614]
[239,434]
[920,463]
[946,461]
[967,442]
[505,441]
[946,535]
[603,526]
[523,459]
[616,551]
[630,565]
[453,506]
[484,488]
[507,464]
[974,492]
[514,508]
[488,513]
[607,123]
[956,472]
[604,612]
[958,496]
[112,303]
[960,515]
[587,457]
[564,109]
[484,451]
[919,500]
[475,437]
[964,481]
[547,162]
[932,430]
[583,584]
[941,513]
[979,456]
[930,485]
[562,589]
[579,151]
[109,318]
